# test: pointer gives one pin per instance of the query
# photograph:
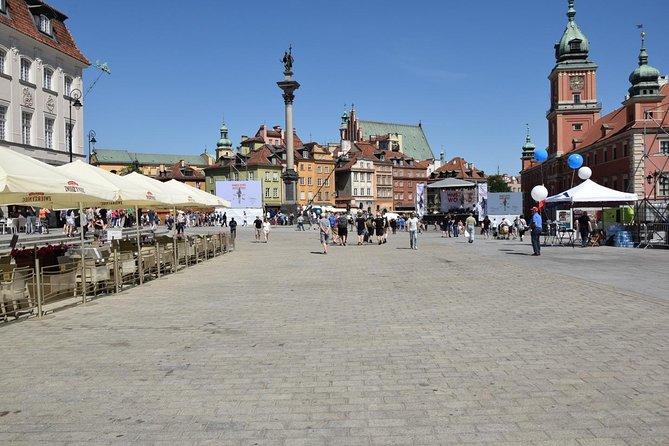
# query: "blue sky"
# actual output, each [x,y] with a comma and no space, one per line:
[474,75]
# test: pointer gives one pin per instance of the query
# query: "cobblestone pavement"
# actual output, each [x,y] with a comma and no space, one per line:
[278,344]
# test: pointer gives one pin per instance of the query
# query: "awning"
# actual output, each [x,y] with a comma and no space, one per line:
[447,183]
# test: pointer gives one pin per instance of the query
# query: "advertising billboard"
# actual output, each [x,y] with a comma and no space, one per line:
[505,203]
[241,194]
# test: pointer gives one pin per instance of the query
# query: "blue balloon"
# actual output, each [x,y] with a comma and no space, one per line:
[540,155]
[575,160]
[318,212]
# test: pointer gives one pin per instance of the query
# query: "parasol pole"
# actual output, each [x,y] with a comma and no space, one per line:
[140,270]
[83,259]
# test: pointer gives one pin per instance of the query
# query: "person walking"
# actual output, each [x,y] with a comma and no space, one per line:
[360,224]
[266,226]
[470,223]
[257,224]
[380,227]
[412,226]
[342,228]
[233,228]
[325,231]
[536,227]
[300,222]
[244,221]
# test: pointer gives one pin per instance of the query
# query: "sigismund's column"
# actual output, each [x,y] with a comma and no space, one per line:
[288,85]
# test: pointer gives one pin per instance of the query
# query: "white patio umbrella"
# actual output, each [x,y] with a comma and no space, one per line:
[203,198]
[26,181]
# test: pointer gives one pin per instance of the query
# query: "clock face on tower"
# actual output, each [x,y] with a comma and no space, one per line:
[576,82]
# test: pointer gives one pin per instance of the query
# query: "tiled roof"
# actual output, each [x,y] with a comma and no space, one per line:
[110,156]
[617,122]
[414,140]
[459,166]
[262,157]
[175,172]
[20,19]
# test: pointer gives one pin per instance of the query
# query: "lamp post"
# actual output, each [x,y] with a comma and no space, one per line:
[91,140]
[653,178]
[73,98]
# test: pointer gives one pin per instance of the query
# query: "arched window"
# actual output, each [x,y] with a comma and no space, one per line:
[48,78]
[26,65]
[67,86]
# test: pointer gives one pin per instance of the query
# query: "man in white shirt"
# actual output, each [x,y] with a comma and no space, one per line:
[412,227]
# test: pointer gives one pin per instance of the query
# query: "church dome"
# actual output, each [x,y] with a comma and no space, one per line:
[573,45]
[644,78]
[224,142]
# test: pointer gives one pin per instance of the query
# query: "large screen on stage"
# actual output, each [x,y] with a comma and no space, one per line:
[240,194]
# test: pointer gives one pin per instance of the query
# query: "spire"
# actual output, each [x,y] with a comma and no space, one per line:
[572,12]
[645,78]
[224,142]
[528,148]
[573,46]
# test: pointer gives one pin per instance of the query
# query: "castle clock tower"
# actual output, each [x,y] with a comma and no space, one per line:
[574,107]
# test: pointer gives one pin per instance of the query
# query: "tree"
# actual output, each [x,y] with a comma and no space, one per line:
[496,183]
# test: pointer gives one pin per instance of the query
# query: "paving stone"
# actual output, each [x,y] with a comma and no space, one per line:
[374,345]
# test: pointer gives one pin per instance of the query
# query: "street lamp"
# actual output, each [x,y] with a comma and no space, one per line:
[73,98]
[653,178]
[91,140]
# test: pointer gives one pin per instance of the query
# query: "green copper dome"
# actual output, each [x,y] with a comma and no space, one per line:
[573,45]
[224,142]
[644,79]
[528,148]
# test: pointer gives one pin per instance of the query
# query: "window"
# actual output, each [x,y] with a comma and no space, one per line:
[663,186]
[3,56]
[48,77]
[410,183]
[267,192]
[266,176]
[310,181]
[319,169]
[275,176]
[69,128]
[327,169]
[48,133]
[25,70]
[311,195]
[320,197]
[594,156]
[577,98]
[614,183]
[252,175]
[664,147]
[369,191]
[327,182]
[577,127]
[355,191]
[606,154]
[614,152]
[275,192]
[410,195]
[302,195]
[355,176]
[301,181]
[626,184]
[26,121]
[68,86]
[301,166]
[327,195]
[625,151]
[575,45]
[3,121]
[319,182]
[369,177]
[309,167]
[45,24]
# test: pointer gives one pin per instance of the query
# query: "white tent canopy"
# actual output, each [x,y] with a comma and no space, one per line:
[448,183]
[201,197]
[29,182]
[591,192]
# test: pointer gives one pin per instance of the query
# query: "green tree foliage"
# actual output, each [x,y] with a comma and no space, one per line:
[496,183]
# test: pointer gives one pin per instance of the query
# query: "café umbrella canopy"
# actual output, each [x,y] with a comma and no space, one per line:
[203,198]
[29,182]
[129,194]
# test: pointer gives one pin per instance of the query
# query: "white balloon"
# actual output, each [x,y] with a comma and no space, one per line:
[539,193]
[584,172]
